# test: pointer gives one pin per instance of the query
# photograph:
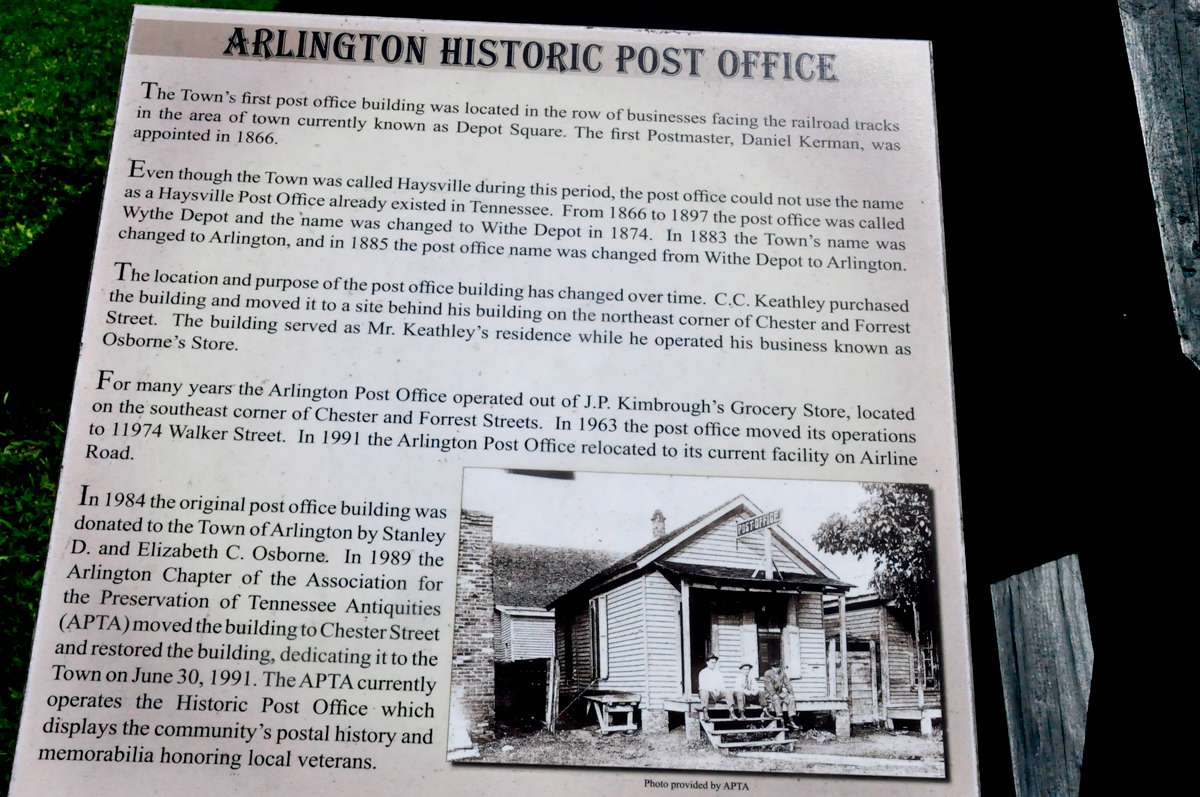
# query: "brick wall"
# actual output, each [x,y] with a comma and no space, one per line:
[472,677]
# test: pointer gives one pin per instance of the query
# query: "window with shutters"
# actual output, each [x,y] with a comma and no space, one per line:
[598,615]
[568,656]
[929,662]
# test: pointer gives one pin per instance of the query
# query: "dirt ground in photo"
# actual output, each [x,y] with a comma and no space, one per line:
[896,754]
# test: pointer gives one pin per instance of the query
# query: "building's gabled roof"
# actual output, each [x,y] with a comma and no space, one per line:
[662,547]
[533,575]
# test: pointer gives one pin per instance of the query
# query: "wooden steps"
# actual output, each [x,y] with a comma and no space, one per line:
[755,730]
[761,743]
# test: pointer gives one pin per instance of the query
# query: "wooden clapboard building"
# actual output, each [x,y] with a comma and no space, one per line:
[524,632]
[894,669]
[644,625]
[524,579]
[527,577]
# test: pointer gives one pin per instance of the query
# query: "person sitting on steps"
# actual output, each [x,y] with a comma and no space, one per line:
[712,686]
[778,695]
[747,687]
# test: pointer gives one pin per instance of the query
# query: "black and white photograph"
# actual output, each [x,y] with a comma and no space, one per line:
[696,623]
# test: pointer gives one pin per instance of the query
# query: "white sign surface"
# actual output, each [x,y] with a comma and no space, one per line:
[393,321]
[759,522]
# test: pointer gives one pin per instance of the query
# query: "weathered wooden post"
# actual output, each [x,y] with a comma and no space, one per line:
[768,561]
[1046,661]
[685,609]
[926,721]
[874,685]
[831,670]
[885,666]
[920,659]
[552,693]
[842,642]
[1163,43]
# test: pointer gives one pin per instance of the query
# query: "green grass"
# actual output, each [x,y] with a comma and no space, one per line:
[31,444]
[60,66]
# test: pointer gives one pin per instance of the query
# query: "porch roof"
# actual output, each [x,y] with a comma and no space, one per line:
[867,600]
[740,577]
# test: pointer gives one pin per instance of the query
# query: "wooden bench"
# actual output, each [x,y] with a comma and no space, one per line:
[611,705]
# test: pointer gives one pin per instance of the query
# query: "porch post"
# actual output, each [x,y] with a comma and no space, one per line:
[845,660]
[831,670]
[920,659]
[768,560]
[685,607]
[885,665]
[874,684]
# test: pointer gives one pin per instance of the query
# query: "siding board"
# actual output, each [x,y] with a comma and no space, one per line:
[902,655]
[644,646]
[581,648]
[813,685]
[721,546]
[504,638]
[530,637]
[626,652]
[665,646]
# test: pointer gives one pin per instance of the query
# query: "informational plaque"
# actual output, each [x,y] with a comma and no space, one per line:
[492,409]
